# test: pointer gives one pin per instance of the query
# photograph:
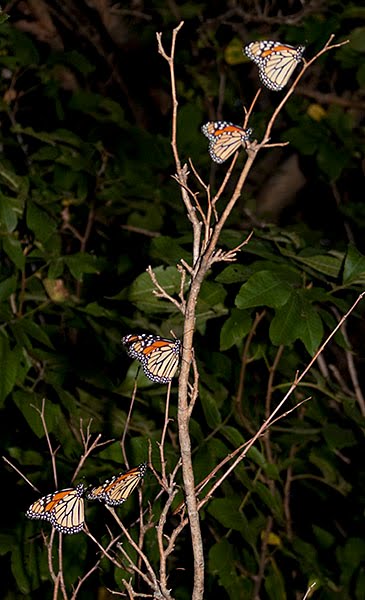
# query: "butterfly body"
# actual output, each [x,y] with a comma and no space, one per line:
[224,139]
[64,509]
[116,490]
[159,357]
[276,61]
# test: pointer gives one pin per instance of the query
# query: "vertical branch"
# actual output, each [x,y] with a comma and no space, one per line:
[182,172]
[189,324]
[352,369]
[52,452]
[268,399]
[183,415]
[175,103]
[161,536]
[60,577]
[263,559]
[163,436]
[287,490]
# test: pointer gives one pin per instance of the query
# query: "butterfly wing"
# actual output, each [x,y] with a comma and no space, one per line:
[224,139]
[116,490]
[161,360]
[276,62]
[159,356]
[40,508]
[135,343]
[64,509]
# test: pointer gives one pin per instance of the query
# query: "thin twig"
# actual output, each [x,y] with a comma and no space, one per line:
[20,473]
[270,420]
[52,452]
[126,426]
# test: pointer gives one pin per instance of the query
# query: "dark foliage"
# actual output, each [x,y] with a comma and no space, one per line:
[87,203]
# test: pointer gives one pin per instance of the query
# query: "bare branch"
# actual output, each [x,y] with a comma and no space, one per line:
[161,293]
[122,443]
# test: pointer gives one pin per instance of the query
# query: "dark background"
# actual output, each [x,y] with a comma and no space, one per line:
[88,202]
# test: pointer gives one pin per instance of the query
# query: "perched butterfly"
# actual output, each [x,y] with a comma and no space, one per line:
[116,490]
[224,139]
[276,61]
[159,357]
[63,509]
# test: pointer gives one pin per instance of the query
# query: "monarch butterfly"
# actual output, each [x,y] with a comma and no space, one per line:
[224,139]
[63,509]
[159,357]
[276,61]
[116,490]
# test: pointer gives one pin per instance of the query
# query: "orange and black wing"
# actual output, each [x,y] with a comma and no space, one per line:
[160,357]
[64,509]
[224,139]
[276,61]
[116,490]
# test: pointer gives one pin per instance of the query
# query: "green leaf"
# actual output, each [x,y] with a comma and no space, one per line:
[23,401]
[56,268]
[357,39]
[96,310]
[19,572]
[7,542]
[13,249]
[350,557]
[233,52]
[221,558]
[211,295]
[81,263]
[141,292]
[337,437]
[16,183]
[7,287]
[235,328]
[332,159]
[234,274]
[233,435]
[8,213]
[40,222]
[78,61]
[263,288]
[26,52]
[168,250]
[57,136]
[329,472]
[323,263]
[360,75]
[354,267]
[274,582]
[102,109]
[297,319]
[325,539]
[307,139]
[3,18]
[272,501]
[9,366]
[312,328]
[210,408]
[33,330]
[46,153]
[226,511]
